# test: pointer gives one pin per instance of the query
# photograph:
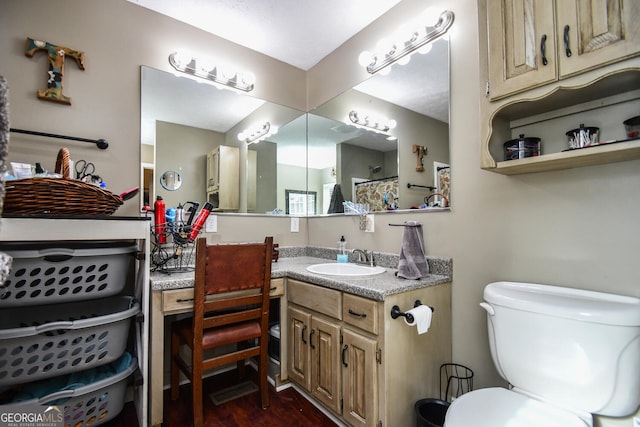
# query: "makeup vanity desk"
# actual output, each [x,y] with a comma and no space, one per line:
[173,294]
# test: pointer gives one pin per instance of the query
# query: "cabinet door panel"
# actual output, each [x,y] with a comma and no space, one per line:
[598,32]
[516,29]
[360,391]
[299,356]
[325,369]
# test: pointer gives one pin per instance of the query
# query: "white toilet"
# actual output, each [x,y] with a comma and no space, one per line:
[567,353]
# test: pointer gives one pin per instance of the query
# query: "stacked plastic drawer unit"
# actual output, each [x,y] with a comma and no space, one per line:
[65,320]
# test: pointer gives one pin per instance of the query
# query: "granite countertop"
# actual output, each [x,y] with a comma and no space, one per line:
[376,287]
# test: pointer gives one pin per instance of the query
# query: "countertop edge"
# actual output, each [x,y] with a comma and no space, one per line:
[376,287]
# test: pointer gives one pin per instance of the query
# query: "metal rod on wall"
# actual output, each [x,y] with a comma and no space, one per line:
[376,180]
[100,143]
[421,186]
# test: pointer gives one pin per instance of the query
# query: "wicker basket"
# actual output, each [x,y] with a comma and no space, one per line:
[58,196]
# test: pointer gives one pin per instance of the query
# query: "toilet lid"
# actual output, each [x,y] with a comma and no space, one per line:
[499,407]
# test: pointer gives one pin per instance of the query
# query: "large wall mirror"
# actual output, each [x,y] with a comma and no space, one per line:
[410,171]
[183,124]
[296,170]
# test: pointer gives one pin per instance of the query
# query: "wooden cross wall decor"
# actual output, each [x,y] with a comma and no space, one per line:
[55,74]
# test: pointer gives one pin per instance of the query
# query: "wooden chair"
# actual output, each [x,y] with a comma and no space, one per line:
[231,306]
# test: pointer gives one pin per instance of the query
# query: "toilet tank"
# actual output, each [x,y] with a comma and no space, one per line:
[575,348]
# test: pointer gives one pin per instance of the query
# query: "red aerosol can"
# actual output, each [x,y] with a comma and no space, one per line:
[159,216]
[200,220]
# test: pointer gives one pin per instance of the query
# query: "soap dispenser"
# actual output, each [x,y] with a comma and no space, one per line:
[342,251]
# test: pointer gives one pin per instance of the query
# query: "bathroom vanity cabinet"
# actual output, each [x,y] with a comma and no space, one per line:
[223,178]
[600,79]
[365,367]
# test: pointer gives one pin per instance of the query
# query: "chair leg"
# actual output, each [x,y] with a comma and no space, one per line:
[175,370]
[241,364]
[198,415]
[262,372]
[196,388]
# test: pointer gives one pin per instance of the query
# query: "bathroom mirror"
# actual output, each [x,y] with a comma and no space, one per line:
[416,96]
[183,120]
[171,180]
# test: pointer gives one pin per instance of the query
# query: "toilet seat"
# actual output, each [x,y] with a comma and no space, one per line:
[499,407]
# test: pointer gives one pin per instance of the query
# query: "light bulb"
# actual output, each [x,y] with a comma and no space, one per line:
[404,60]
[181,59]
[248,78]
[392,124]
[425,49]
[385,71]
[365,58]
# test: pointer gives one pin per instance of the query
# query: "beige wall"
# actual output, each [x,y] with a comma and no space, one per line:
[576,228]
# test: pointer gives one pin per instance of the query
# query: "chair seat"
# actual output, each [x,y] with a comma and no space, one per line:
[219,336]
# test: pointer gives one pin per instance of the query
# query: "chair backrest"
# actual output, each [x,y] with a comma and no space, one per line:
[232,283]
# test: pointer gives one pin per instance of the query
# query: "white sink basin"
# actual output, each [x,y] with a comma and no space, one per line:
[344,269]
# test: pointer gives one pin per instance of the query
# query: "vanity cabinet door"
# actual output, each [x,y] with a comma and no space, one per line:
[324,341]
[359,377]
[516,31]
[299,354]
[597,33]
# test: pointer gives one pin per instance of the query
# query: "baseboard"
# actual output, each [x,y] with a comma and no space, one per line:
[321,408]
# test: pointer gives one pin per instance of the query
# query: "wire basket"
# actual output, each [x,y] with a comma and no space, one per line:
[89,405]
[57,273]
[47,341]
[58,196]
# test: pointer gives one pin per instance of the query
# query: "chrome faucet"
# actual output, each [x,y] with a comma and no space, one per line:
[364,257]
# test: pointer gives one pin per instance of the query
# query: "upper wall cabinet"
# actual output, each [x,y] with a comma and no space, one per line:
[536,42]
[552,66]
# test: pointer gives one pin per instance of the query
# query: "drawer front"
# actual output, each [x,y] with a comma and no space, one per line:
[360,312]
[277,287]
[316,298]
[177,300]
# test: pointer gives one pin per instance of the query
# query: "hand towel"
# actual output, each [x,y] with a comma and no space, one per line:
[337,200]
[412,263]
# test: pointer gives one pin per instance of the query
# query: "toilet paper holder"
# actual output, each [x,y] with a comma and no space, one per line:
[395,311]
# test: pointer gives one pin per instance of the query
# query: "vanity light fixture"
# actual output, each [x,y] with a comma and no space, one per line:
[372,123]
[257,133]
[216,73]
[389,52]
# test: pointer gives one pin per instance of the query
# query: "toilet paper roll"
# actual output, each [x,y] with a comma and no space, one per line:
[421,318]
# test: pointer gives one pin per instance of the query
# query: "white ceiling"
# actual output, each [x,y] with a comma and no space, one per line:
[298,32]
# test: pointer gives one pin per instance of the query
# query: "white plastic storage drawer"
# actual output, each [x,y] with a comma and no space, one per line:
[52,340]
[51,273]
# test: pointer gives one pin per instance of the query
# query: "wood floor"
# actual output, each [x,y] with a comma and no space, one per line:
[286,408]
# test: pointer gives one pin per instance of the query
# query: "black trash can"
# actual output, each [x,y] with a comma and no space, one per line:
[431,412]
